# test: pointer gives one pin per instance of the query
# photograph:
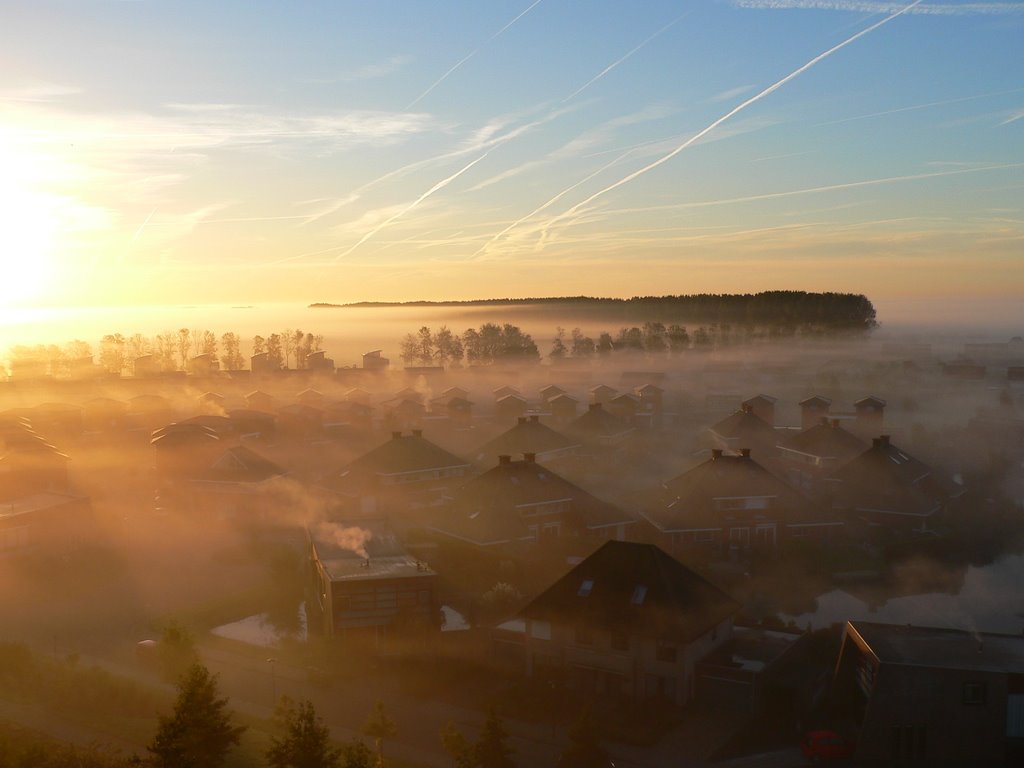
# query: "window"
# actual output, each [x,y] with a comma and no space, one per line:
[666,652]
[585,587]
[540,630]
[639,593]
[975,693]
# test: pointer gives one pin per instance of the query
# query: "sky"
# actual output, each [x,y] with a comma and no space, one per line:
[248,151]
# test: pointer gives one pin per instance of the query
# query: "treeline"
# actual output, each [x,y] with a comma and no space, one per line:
[835,311]
[492,342]
[488,343]
[167,351]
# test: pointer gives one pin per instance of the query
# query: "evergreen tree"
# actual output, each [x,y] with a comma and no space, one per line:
[492,750]
[584,750]
[306,741]
[198,733]
[379,726]
[458,746]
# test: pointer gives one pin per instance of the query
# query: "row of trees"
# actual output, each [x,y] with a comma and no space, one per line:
[488,343]
[171,350]
[492,342]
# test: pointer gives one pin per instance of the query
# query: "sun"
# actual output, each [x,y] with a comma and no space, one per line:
[30,217]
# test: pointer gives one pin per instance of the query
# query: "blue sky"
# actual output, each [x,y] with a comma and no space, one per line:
[197,151]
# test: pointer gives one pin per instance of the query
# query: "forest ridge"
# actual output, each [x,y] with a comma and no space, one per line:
[830,310]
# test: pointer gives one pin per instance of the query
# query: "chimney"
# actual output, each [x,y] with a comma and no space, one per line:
[745,453]
[521,419]
[530,458]
[504,459]
[747,408]
[535,419]
[396,435]
[883,440]
[716,453]
[417,433]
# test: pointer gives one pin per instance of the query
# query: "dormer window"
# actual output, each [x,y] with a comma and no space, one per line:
[585,588]
[639,593]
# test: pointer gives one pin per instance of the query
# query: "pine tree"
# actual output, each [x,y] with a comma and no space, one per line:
[198,733]
[492,749]
[379,726]
[584,750]
[306,741]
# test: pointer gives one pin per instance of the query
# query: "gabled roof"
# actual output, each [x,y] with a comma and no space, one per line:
[455,392]
[527,436]
[511,397]
[886,478]
[242,465]
[745,426]
[603,389]
[502,391]
[693,494]
[636,589]
[405,453]
[182,434]
[597,422]
[648,389]
[815,400]
[550,391]
[512,485]
[827,440]
[870,400]
[563,398]
[763,398]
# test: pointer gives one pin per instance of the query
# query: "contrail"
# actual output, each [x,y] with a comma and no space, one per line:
[917,106]
[735,110]
[550,202]
[142,226]
[473,53]
[614,64]
[440,185]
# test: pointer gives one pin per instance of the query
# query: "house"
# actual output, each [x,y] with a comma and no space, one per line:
[529,435]
[301,421]
[251,424]
[182,451]
[525,501]
[625,406]
[925,696]
[237,486]
[762,406]
[261,364]
[734,502]
[870,415]
[318,362]
[104,414]
[629,622]
[744,428]
[510,406]
[203,365]
[365,585]
[406,472]
[550,391]
[651,398]
[375,361]
[504,391]
[885,485]
[598,427]
[311,397]
[258,400]
[62,420]
[812,409]
[50,520]
[563,407]
[602,393]
[813,455]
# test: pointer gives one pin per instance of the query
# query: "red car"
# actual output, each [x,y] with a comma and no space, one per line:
[825,745]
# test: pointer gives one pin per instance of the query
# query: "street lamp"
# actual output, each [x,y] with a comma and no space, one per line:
[273,681]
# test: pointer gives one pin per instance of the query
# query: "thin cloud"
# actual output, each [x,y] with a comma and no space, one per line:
[438,186]
[470,55]
[732,93]
[366,72]
[857,6]
[735,110]
[616,63]
[914,107]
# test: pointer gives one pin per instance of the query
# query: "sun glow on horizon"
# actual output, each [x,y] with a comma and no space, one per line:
[29,236]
